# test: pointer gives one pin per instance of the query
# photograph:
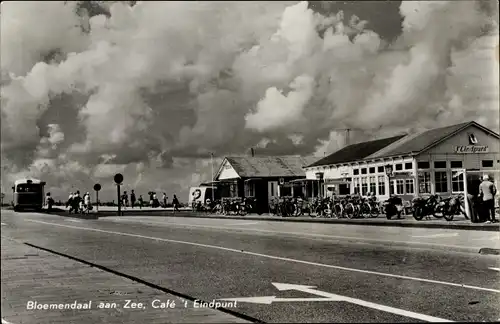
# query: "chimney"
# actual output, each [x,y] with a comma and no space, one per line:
[252,151]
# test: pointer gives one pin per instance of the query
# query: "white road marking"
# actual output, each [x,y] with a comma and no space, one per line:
[270,256]
[439,235]
[496,269]
[289,233]
[3,224]
[74,220]
[487,239]
[252,223]
[333,297]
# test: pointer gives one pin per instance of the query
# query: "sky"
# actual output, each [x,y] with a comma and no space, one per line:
[152,89]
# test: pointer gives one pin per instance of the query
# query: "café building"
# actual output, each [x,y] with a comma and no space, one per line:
[446,160]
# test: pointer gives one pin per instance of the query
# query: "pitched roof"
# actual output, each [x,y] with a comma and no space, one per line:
[269,166]
[421,141]
[356,152]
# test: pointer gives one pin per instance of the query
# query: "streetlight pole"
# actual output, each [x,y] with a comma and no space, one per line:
[212,164]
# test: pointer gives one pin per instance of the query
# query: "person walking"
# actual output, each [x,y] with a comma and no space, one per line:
[175,202]
[164,198]
[488,191]
[49,202]
[86,200]
[69,203]
[141,201]
[132,198]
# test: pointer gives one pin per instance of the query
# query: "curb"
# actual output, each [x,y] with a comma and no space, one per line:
[374,222]
[489,251]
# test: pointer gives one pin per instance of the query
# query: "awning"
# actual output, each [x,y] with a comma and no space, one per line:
[302,180]
[338,181]
[253,179]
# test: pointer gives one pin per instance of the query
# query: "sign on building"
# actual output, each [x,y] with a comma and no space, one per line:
[471,149]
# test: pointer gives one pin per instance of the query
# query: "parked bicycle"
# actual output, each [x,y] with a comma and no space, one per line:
[451,206]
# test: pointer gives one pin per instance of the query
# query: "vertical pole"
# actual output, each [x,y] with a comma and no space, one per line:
[119,200]
[97,200]
[466,198]
[212,163]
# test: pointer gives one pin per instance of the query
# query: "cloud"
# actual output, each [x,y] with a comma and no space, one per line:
[152,88]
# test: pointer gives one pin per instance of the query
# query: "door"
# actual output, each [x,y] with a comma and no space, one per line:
[272,190]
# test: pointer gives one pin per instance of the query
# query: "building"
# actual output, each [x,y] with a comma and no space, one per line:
[428,162]
[262,177]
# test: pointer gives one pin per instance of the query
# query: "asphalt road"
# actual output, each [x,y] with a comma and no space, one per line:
[366,273]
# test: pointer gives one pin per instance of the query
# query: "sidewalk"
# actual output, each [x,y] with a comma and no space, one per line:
[459,223]
[33,275]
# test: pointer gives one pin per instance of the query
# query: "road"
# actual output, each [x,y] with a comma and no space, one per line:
[352,273]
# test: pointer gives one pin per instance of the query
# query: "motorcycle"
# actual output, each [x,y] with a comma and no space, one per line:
[393,207]
[425,207]
[451,206]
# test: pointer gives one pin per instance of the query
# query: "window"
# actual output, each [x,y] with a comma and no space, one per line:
[410,187]
[399,167]
[424,182]
[440,164]
[381,185]
[344,189]
[457,181]
[250,189]
[356,186]
[364,186]
[355,171]
[408,166]
[456,164]
[391,187]
[400,187]
[487,163]
[363,171]
[441,181]
[372,170]
[373,184]
[423,165]
[29,187]
[380,169]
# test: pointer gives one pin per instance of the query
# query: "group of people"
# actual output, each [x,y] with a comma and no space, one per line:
[153,200]
[484,203]
[78,204]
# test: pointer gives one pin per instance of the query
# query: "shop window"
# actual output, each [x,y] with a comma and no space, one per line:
[423,165]
[381,185]
[380,169]
[409,186]
[441,179]
[408,166]
[363,171]
[355,171]
[424,182]
[373,184]
[487,163]
[456,164]
[344,189]
[356,186]
[391,187]
[457,181]
[399,167]
[364,186]
[372,170]
[400,187]
[440,165]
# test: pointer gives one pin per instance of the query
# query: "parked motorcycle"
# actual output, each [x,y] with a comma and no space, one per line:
[393,207]
[425,207]
[451,206]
